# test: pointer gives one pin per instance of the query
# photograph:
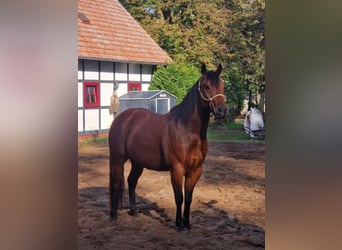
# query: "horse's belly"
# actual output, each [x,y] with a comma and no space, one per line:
[150,159]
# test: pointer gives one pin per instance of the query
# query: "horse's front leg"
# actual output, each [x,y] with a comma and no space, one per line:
[177,185]
[132,180]
[191,178]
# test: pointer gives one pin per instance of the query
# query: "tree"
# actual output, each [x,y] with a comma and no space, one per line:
[246,39]
[230,32]
[177,79]
[190,31]
[234,90]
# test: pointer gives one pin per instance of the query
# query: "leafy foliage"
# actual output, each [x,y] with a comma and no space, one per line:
[190,31]
[230,32]
[177,79]
[246,39]
[234,90]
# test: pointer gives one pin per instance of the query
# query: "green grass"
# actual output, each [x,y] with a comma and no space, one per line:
[227,135]
[228,132]
[96,140]
[235,126]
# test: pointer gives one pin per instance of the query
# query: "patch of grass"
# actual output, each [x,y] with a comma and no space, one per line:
[96,140]
[229,125]
[234,126]
[228,132]
[227,135]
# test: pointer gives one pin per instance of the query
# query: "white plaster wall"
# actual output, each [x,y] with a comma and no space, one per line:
[106,91]
[80,120]
[80,94]
[106,119]
[121,71]
[91,119]
[122,89]
[146,73]
[144,87]
[134,72]
[91,70]
[107,71]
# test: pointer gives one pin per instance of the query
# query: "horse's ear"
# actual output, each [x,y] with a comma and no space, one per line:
[219,69]
[203,70]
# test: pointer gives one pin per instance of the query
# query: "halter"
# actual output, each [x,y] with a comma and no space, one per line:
[211,98]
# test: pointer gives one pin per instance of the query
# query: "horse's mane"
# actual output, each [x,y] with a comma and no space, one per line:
[182,111]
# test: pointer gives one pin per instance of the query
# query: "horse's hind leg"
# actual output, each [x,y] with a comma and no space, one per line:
[116,182]
[132,180]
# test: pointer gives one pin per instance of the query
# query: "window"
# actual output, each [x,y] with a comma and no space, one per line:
[133,86]
[91,94]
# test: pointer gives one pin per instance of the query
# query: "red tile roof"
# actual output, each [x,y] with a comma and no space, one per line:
[113,34]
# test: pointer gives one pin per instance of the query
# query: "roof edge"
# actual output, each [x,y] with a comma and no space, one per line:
[123,61]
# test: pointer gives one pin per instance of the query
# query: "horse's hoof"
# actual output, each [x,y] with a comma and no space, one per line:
[181,228]
[187,225]
[113,216]
[132,212]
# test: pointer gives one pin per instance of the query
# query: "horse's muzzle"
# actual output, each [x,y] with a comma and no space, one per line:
[220,112]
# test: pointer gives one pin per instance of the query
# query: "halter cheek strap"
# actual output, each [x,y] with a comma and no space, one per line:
[211,98]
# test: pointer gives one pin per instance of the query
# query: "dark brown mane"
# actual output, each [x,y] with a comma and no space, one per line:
[182,111]
[188,105]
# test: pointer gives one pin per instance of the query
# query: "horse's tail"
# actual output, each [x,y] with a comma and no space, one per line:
[117,159]
[116,187]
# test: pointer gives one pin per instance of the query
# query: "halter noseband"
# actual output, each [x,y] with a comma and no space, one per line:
[211,98]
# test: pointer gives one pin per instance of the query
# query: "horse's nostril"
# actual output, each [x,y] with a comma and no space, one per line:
[222,110]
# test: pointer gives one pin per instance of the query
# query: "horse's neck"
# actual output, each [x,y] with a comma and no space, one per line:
[203,119]
[192,114]
[197,117]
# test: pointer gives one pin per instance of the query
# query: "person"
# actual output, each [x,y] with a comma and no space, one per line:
[114,105]
[253,121]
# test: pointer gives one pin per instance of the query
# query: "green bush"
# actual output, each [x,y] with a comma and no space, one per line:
[176,79]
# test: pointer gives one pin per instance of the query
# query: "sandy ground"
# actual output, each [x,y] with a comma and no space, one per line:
[227,212]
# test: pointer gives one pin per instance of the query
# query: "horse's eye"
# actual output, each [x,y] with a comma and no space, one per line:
[206,87]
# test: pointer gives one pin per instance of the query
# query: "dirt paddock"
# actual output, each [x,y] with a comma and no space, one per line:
[227,211]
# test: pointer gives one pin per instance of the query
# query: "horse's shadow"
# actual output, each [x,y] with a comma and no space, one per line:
[98,199]
[209,219]
[152,210]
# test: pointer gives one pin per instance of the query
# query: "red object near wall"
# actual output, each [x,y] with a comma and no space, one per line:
[91,94]
[134,86]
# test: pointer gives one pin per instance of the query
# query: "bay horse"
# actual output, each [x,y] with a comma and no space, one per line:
[175,142]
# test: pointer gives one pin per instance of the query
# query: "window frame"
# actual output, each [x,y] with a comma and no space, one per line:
[95,104]
[138,85]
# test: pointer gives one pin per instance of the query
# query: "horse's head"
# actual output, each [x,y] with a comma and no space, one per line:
[211,88]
